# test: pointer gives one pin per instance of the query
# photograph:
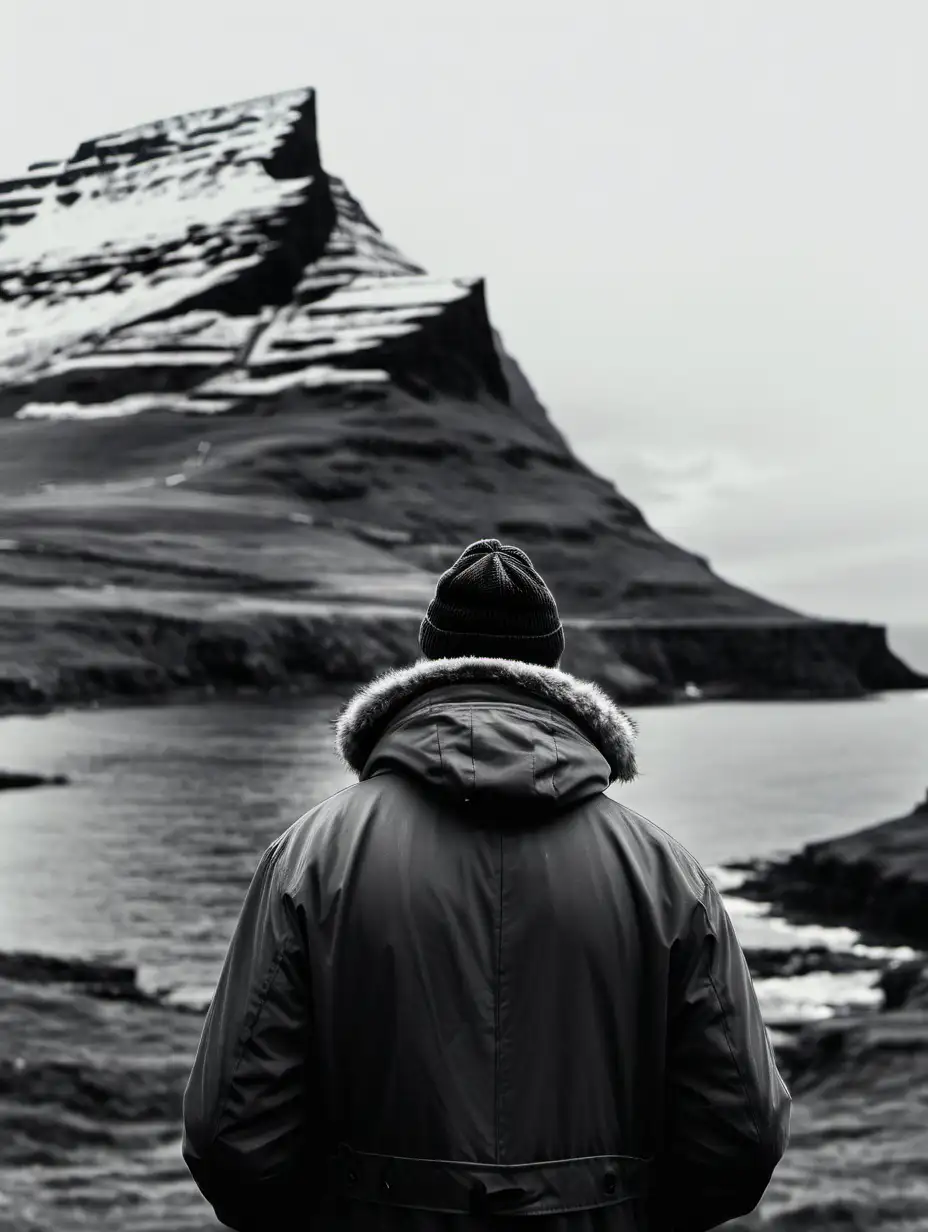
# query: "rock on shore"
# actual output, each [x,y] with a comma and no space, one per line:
[874,880]
[859,1136]
[860,1081]
[11,780]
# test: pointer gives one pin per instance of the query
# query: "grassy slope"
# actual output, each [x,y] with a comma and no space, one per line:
[319,500]
[435,473]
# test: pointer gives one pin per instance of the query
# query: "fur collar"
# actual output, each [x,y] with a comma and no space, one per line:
[365,717]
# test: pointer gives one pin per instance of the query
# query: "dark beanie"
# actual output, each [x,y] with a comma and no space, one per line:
[491,603]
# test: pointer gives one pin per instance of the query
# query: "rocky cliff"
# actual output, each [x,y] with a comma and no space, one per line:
[230,410]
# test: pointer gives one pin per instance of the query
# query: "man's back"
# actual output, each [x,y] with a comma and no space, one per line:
[521,996]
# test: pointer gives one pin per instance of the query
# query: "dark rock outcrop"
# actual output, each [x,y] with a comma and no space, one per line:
[107,980]
[761,658]
[95,978]
[874,880]
[858,1134]
[11,780]
[217,377]
[151,651]
[768,963]
[137,647]
[905,985]
[859,1080]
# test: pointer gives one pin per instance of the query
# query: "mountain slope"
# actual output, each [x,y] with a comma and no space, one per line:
[218,377]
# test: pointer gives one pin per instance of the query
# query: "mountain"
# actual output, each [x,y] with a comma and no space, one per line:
[240,433]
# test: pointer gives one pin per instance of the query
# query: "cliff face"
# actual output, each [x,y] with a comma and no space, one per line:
[217,375]
[205,263]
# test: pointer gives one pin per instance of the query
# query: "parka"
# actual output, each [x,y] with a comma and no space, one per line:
[471,988]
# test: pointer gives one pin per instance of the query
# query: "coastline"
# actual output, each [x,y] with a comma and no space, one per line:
[859,1080]
[117,647]
[874,880]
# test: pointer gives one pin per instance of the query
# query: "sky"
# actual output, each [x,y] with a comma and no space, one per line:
[702,229]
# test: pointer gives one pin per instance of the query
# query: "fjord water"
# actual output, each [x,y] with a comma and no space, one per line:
[146,855]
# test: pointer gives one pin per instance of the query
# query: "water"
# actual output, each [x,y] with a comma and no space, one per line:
[735,780]
[740,780]
[146,856]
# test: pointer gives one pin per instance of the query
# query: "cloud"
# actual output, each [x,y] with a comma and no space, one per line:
[685,483]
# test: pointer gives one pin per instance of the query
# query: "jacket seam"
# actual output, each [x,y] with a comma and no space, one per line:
[441,760]
[316,807]
[473,763]
[693,865]
[247,1035]
[557,762]
[728,1039]
[586,1206]
[547,711]
[531,1165]
[544,1210]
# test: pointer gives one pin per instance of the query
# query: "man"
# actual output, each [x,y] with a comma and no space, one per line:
[470,985]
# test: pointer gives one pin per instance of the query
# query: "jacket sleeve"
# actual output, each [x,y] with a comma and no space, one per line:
[728,1109]
[247,1114]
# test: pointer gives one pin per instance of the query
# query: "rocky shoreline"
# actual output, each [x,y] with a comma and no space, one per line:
[874,880]
[17,780]
[859,1080]
[113,1102]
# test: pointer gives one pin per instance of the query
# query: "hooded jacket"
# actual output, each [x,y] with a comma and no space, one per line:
[471,988]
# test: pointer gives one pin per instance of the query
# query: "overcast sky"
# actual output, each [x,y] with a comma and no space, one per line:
[702,226]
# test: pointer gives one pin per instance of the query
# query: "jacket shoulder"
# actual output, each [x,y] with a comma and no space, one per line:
[675,860]
[290,853]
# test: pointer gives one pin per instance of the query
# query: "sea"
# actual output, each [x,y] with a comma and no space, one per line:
[145,856]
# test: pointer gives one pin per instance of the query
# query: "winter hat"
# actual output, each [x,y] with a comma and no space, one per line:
[491,603]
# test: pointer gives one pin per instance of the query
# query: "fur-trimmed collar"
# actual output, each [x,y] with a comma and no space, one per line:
[365,717]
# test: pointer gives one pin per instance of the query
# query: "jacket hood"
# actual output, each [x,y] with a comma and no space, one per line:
[489,730]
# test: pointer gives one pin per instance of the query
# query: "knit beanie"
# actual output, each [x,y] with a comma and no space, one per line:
[492,603]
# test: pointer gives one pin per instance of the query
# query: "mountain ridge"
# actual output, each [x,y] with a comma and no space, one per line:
[215,370]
